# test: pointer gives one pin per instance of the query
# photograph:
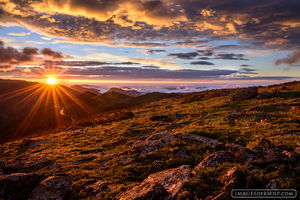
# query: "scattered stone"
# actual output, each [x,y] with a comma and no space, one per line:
[272,185]
[153,143]
[295,109]
[54,187]
[256,108]
[214,160]
[245,94]
[18,186]
[265,95]
[160,185]
[163,118]
[180,152]
[241,153]
[198,138]
[94,189]
[32,143]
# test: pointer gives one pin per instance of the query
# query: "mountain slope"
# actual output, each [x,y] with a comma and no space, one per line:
[250,143]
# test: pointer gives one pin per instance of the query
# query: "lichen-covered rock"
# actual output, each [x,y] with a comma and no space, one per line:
[245,94]
[198,138]
[214,160]
[241,153]
[94,189]
[54,187]
[18,185]
[159,183]
[153,143]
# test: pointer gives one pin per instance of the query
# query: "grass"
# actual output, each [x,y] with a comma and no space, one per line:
[92,153]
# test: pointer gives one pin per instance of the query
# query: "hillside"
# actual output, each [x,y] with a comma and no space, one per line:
[30,108]
[195,146]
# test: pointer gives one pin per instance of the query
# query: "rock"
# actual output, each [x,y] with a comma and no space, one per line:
[214,160]
[54,187]
[272,184]
[265,95]
[231,176]
[245,94]
[180,152]
[271,156]
[159,183]
[163,118]
[153,143]
[233,116]
[241,153]
[295,109]
[18,185]
[208,198]
[32,143]
[230,179]
[256,108]
[198,138]
[94,189]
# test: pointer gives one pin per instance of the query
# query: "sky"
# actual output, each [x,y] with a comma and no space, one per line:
[150,41]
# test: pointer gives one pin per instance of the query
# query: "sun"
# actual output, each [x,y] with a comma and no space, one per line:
[51,80]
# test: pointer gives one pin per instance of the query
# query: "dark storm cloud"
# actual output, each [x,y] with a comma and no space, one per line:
[291,59]
[263,24]
[230,56]
[190,55]
[201,63]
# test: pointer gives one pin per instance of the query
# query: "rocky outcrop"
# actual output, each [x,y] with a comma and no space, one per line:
[160,185]
[54,187]
[214,160]
[245,94]
[18,185]
[153,143]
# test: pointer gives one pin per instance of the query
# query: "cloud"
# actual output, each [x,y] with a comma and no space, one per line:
[10,57]
[246,70]
[152,51]
[113,72]
[245,65]
[201,63]
[50,53]
[291,59]
[230,56]
[18,34]
[190,55]
[262,24]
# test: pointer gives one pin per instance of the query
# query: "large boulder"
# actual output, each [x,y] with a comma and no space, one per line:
[153,143]
[245,94]
[160,185]
[18,185]
[54,187]
[214,160]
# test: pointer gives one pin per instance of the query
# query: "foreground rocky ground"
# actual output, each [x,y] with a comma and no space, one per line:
[198,146]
